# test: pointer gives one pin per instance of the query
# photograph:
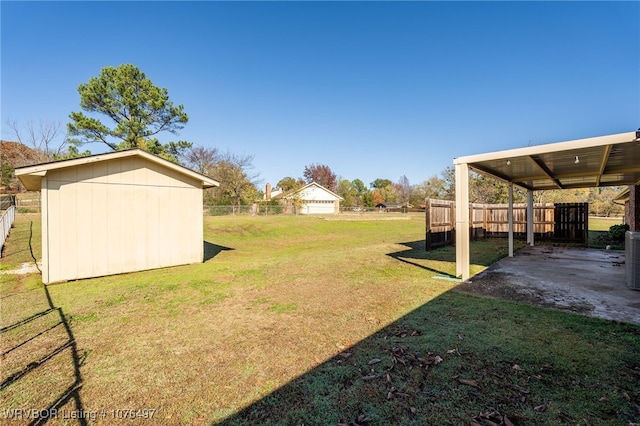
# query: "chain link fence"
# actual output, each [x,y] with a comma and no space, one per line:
[248,210]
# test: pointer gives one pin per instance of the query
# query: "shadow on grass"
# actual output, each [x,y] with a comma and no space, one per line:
[464,359]
[416,251]
[40,337]
[212,250]
[66,341]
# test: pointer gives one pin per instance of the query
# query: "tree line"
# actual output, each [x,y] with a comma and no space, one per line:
[123,109]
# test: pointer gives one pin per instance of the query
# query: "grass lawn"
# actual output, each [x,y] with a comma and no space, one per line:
[300,320]
[599,236]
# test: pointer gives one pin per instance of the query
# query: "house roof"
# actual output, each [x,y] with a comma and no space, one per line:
[287,194]
[624,195]
[612,160]
[31,176]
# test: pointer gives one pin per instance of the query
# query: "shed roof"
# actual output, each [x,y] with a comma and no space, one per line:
[611,160]
[31,176]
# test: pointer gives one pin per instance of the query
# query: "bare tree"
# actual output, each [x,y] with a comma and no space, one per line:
[201,159]
[48,138]
[403,189]
[237,182]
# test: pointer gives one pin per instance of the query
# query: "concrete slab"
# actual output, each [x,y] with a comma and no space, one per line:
[586,281]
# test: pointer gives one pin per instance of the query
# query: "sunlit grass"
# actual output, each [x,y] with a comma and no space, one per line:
[272,311]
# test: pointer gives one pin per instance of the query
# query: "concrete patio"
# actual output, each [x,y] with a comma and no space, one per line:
[586,281]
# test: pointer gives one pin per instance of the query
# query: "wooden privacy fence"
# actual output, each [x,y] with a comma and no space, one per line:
[566,222]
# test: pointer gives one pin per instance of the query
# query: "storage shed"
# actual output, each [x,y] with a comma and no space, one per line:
[118,212]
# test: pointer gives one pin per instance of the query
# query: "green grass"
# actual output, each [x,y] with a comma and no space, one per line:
[599,236]
[285,324]
[603,223]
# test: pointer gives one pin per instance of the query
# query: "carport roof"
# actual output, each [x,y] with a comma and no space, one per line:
[612,160]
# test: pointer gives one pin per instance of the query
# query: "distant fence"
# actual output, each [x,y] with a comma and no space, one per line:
[245,210]
[28,202]
[6,222]
[259,209]
[566,222]
[6,201]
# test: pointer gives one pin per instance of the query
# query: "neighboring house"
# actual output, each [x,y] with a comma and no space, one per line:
[312,198]
[631,199]
[119,212]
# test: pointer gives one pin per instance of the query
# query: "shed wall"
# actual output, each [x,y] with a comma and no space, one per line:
[118,216]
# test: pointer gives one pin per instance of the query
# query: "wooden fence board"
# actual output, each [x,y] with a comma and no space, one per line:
[559,222]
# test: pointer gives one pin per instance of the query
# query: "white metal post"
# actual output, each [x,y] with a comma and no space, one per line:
[462,220]
[510,213]
[530,218]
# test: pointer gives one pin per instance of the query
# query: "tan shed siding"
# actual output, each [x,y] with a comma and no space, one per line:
[44,203]
[122,215]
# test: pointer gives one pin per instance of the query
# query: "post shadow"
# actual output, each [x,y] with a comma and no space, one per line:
[72,392]
[416,251]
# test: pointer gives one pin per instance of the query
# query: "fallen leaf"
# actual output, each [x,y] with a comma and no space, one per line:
[519,388]
[469,382]
[517,367]
[374,361]
[540,408]
[345,354]
[363,419]
[506,421]
[370,377]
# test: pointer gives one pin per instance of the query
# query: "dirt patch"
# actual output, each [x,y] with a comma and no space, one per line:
[501,285]
[26,268]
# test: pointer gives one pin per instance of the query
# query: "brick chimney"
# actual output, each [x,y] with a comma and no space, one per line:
[268,192]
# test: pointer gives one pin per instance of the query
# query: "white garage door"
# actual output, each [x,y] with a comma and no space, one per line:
[318,207]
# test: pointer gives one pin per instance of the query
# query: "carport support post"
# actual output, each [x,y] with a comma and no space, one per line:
[510,214]
[530,217]
[462,220]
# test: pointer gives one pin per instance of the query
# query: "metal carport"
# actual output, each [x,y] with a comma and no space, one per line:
[612,160]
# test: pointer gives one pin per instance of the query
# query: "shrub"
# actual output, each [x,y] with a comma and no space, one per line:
[617,232]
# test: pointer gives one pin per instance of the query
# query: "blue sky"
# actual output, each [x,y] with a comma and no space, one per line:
[371,89]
